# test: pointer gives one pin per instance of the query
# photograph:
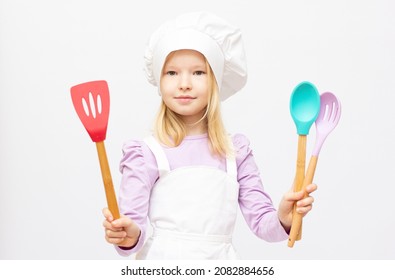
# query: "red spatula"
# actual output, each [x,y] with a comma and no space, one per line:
[92,102]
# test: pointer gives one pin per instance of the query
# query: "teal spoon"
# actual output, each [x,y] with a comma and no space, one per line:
[304,107]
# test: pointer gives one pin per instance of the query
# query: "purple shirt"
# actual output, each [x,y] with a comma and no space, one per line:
[140,172]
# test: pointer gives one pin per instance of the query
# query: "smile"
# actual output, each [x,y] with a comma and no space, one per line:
[184,98]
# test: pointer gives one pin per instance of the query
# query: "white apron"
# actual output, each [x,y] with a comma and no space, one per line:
[192,211]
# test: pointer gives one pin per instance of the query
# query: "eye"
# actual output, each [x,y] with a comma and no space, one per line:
[171,73]
[199,73]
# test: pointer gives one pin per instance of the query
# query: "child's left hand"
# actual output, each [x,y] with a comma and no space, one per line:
[303,205]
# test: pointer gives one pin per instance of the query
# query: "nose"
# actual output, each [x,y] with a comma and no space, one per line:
[185,82]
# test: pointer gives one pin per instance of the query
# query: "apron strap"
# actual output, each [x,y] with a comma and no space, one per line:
[159,153]
[231,165]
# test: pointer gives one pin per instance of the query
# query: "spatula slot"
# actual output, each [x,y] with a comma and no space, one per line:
[99,105]
[85,105]
[92,105]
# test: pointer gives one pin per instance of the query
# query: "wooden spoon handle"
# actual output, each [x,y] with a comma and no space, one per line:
[300,163]
[107,180]
[297,218]
[300,168]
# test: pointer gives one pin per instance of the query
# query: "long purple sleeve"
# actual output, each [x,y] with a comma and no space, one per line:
[255,204]
[139,174]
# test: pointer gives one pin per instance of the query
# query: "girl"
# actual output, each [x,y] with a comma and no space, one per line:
[190,177]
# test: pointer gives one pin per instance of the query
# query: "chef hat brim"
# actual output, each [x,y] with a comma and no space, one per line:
[216,39]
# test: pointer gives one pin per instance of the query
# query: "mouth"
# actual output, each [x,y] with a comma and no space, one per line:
[184,98]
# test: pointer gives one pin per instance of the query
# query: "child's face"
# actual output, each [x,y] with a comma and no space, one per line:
[184,84]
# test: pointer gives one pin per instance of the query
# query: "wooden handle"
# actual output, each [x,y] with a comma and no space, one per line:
[296,227]
[300,163]
[107,180]
[299,237]
[300,168]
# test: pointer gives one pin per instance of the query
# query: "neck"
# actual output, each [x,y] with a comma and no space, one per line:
[196,128]
[195,125]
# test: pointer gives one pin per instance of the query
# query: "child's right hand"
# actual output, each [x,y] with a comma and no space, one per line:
[122,232]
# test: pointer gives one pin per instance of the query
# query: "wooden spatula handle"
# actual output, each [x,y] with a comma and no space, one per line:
[297,218]
[107,180]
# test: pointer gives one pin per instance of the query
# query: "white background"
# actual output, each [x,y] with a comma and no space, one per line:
[51,193]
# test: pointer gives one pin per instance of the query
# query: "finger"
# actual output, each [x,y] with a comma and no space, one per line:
[304,210]
[109,226]
[115,234]
[107,214]
[121,222]
[113,240]
[311,188]
[106,224]
[294,196]
[304,193]
[305,202]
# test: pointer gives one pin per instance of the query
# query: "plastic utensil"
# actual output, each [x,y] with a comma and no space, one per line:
[304,108]
[91,101]
[327,120]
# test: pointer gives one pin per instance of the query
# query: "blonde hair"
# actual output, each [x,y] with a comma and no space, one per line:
[171,130]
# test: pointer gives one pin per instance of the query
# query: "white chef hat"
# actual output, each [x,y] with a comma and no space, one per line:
[215,38]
